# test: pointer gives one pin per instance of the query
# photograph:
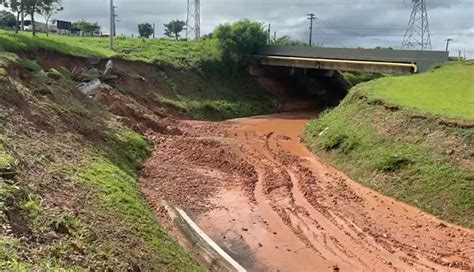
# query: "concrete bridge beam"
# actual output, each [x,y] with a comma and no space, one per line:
[341,65]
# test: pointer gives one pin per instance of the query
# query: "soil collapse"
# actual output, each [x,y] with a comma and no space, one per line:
[256,190]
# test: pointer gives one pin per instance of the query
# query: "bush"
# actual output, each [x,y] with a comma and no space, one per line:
[240,40]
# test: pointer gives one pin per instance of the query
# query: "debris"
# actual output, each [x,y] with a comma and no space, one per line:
[322,132]
[108,68]
[139,77]
[87,88]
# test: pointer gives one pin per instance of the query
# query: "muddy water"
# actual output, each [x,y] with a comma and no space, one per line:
[303,215]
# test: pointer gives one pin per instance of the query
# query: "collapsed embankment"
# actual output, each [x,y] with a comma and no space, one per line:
[420,158]
[68,164]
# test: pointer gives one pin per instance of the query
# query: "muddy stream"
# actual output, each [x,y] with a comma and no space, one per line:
[271,204]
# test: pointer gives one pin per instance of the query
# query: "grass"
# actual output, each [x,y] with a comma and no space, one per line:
[6,160]
[76,191]
[221,98]
[111,174]
[391,153]
[31,65]
[446,91]
[179,54]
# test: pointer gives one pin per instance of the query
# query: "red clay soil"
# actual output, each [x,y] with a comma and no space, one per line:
[271,204]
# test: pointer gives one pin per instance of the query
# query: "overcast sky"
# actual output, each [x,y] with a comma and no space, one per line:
[342,23]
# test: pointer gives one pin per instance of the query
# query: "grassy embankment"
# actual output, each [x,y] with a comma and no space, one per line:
[410,137]
[74,202]
[219,93]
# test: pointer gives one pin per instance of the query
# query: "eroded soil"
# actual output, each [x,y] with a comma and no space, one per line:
[272,205]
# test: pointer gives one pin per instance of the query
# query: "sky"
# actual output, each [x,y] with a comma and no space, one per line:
[340,23]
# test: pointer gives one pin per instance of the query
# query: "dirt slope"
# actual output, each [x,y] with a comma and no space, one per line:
[254,187]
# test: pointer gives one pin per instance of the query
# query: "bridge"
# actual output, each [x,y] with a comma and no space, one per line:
[323,59]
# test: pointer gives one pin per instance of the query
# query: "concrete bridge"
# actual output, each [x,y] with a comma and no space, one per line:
[276,58]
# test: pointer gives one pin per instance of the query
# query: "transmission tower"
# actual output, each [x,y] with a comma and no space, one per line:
[193,19]
[417,35]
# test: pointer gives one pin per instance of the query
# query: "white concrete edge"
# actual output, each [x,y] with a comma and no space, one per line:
[209,241]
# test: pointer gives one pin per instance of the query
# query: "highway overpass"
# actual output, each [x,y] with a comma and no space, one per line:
[345,59]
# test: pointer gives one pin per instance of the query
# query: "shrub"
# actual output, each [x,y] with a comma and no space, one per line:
[240,40]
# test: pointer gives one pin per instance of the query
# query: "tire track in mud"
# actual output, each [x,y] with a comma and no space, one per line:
[272,205]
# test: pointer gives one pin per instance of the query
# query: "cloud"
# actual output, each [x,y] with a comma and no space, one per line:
[341,23]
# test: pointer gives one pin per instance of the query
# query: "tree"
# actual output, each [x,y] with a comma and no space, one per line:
[48,8]
[287,40]
[240,39]
[31,7]
[145,30]
[7,19]
[18,7]
[86,26]
[173,28]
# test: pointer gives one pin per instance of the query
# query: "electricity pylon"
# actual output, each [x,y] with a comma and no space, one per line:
[193,19]
[417,35]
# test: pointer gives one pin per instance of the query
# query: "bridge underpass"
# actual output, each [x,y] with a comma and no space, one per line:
[385,61]
[306,77]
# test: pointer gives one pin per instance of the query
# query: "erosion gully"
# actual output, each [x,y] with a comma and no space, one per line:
[255,189]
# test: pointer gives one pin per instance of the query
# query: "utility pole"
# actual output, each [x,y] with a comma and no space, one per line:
[115,21]
[311,17]
[447,44]
[269,34]
[112,23]
[153,30]
[274,36]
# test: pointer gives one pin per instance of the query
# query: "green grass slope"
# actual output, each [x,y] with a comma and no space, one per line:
[74,203]
[447,91]
[180,54]
[378,137]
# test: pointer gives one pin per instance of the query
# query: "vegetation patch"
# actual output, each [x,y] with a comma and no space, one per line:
[179,54]
[31,65]
[416,160]
[446,90]
[75,203]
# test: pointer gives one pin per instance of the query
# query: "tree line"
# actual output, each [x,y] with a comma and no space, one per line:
[173,29]
[46,8]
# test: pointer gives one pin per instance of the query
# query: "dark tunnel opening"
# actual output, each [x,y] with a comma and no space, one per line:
[302,89]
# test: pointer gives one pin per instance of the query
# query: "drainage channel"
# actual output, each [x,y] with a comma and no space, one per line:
[208,251]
